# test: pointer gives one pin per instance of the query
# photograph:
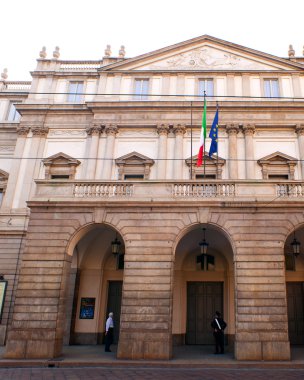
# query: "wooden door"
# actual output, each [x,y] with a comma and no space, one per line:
[203,299]
[114,305]
[295,306]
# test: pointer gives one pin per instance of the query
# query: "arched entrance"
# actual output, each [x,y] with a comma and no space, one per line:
[96,280]
[202,285]
[294,267]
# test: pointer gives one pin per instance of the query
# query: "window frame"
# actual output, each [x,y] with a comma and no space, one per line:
[271,95]
[75,96]
[10,105]
[205,80]
[141,95]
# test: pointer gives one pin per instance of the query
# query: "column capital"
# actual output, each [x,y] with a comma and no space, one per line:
[163,129]
[111,129]
[40,131]
[179,129]
[94,130]
[300,129]
[232,129]
[248,129]
[22,131]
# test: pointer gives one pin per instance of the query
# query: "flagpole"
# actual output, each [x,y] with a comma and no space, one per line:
[217,157]
[191,141]
[204,142]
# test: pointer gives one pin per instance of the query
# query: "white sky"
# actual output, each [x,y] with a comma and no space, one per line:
[83,28]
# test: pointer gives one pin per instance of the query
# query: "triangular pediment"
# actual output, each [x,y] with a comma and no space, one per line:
[134,158]
[277,158]
[205,53]
[208,160]
[61,159]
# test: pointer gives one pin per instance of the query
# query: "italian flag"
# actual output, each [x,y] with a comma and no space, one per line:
[203,136]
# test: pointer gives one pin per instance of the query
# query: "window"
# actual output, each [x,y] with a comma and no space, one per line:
[205,85]
[60,176]
[134,176]
[13,114]
[141,89]
[1,196]
[60,166]
[75,92]
[271,88]
[278,176]
[207,176]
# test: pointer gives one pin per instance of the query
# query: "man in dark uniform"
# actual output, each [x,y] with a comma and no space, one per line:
[218,325]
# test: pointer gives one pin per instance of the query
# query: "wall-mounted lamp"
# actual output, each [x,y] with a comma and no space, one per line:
[295,244]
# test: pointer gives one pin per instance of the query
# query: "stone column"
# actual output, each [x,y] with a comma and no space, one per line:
[232,131]
[94,132]
[22,133]
[162,131]
[39,133]
[300,133]
[249,130]
[111,131]
[179,131]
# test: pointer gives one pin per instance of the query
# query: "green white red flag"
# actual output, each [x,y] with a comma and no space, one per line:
[203,136]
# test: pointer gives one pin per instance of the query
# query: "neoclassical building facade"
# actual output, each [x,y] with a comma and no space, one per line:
[103,207]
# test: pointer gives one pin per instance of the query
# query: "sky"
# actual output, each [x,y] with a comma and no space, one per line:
[83,28]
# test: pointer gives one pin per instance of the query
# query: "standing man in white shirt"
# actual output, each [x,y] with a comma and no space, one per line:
[109,332]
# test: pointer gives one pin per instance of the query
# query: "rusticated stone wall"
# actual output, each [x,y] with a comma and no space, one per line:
[150,236]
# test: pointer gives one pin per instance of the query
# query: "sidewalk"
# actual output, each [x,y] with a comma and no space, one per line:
[183,356]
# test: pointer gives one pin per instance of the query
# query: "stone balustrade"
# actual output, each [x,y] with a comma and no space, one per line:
[16,86]
[79,65]
[147,191]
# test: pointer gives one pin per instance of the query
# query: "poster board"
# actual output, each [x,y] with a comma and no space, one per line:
[87,308]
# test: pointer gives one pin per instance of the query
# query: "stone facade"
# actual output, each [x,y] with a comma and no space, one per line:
[79,169]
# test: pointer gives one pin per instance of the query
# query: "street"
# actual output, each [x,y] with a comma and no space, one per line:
[144,373]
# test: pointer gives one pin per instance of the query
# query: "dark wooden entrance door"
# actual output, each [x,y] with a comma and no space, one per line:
[203,299]
[114,305]
[295,306]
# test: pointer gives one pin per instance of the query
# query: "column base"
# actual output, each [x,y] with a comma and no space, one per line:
[262,350]
[139,345]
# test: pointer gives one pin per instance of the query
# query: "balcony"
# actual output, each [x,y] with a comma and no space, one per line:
[168,191]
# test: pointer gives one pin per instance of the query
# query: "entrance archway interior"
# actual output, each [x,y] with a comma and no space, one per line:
[202,285]
[294,272]
[95,286]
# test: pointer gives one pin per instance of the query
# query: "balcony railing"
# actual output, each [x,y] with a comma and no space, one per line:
[147,191]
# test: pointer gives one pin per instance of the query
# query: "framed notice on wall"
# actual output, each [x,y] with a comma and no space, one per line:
[87,308]
[3,286]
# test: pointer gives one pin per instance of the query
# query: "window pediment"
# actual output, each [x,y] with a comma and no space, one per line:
[278,165]
[213,167]
[60,165]
[3,176]
[134,164]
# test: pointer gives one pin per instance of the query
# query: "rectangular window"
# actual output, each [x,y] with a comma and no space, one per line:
[1,196]
[141,89]
[271,88]
[61,176]
[278,176]
[75,92]
[205,85]
[135,177]
[13,114]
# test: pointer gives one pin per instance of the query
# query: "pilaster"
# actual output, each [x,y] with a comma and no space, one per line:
[249,130]
[232,131]
[179,131]
[162,130]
